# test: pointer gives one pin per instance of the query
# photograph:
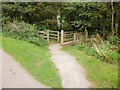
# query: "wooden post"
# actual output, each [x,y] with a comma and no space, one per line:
[62,33]
[48,36]
[78,36]
[58,36]
[74,37]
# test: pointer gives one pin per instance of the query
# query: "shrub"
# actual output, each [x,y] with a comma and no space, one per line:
[114,39]
[103,51]
[23,31]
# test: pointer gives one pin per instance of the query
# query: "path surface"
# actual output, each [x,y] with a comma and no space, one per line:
[71,73]
[14,76]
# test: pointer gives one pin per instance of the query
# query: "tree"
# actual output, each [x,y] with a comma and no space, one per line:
[66,15]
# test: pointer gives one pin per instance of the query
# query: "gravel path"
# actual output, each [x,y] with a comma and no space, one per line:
[14,76]
[71,73]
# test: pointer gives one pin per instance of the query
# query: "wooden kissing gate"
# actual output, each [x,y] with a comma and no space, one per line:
[63,37]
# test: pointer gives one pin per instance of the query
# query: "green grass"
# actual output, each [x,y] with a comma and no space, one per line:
[36,60]
[101,75]
[0,41]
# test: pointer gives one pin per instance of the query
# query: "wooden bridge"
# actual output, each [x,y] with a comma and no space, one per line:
[63,37]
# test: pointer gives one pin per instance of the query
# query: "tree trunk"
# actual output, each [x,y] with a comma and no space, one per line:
[58,19]
[117,21]
[112,18]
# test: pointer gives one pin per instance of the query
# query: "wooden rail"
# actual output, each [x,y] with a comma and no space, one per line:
[54,31]
[53,34]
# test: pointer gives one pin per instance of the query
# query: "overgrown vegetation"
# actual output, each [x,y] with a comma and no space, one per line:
[35,59]
[101,75]
[23,31]
[105,50]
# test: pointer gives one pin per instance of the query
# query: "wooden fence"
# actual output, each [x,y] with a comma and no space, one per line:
[64,37]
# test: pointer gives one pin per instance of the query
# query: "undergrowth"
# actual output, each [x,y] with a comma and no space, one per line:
[104,50]
[23,31]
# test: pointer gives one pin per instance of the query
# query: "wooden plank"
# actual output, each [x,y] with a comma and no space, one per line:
[62,34]
[48,36]
[42,32]
[70,39]
[58,36]
[68,34]
[44,36]
[54,31]
[74,37]
[68,43]
[53,34]
[53,37]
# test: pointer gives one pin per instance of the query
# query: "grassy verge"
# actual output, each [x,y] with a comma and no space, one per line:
[35,59]
[101,75]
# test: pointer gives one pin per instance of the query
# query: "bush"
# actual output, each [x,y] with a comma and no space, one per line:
[112,56]
[23,31]
[114,39]
[105,51]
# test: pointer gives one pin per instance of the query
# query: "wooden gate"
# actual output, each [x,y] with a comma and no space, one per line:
[69,37]
[64,37]
[49,34]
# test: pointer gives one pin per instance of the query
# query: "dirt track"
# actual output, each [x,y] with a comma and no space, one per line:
[71,72]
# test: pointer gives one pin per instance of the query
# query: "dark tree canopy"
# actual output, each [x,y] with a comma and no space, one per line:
[94,16]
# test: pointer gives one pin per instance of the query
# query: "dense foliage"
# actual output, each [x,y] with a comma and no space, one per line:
[23,31]
[89,17]
[74,15]
[43,13]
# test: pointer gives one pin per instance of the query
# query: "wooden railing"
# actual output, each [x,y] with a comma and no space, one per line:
[64,37]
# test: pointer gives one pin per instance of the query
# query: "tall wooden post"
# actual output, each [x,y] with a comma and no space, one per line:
[48,36]
[74,37]
[77,37]
[62,33]
[58,36]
